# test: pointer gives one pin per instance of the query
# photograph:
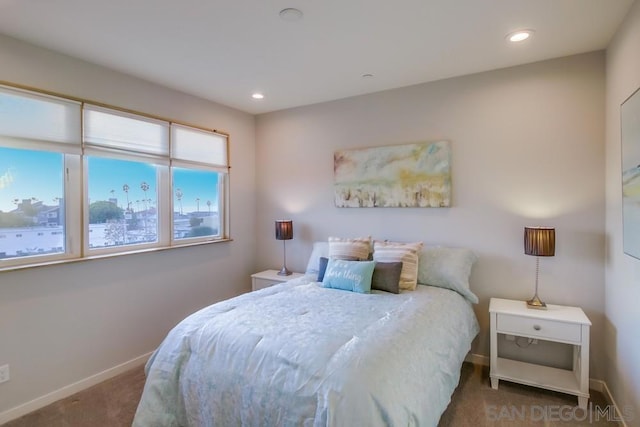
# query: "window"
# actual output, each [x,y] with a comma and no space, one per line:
[35,181]
[123,153]
[39,150]
[122,202]
[198,169]
[196,203]
[138,182]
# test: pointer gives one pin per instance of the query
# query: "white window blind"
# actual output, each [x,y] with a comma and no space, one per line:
[109,130]
[32,121]
[195,146]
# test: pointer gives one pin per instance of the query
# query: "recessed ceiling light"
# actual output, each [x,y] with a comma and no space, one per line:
[257,95]
[519,36]
[291,14]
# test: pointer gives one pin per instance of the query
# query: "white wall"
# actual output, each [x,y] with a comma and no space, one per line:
[622,346]
[62,324]
[528,149]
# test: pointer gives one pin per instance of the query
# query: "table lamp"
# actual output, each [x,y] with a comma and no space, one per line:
[539,241]
[284,232]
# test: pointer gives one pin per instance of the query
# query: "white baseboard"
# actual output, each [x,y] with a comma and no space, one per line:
[66,391]
[477,359]
[597,385]
[604,389]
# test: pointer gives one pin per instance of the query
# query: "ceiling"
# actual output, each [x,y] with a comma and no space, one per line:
[225,50]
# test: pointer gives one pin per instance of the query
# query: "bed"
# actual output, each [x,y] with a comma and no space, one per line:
[300,354]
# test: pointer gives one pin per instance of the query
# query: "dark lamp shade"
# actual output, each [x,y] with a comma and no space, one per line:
[284,229]
[540,241]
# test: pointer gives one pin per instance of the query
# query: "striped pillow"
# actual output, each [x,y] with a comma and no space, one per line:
[357,249]
[407,253]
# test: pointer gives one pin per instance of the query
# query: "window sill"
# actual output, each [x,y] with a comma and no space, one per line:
[112,255]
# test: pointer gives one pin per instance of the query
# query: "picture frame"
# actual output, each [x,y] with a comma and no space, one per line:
[630,151]
[414,175]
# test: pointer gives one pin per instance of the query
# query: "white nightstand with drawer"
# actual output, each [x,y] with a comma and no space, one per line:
[267,278]
[558,323]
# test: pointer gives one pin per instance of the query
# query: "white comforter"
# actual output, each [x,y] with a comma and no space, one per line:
[297,354]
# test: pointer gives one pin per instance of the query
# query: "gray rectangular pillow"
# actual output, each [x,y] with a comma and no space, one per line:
[386,277]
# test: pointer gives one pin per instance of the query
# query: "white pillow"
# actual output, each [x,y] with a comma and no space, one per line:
[357,249]
[407,253]
[448,268]
[320,249]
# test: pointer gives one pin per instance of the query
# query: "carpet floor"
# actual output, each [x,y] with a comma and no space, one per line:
[113,403]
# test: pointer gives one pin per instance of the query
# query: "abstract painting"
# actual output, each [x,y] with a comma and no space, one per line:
[630,121]
[398,176]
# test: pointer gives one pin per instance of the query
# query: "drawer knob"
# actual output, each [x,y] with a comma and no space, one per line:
[537,327]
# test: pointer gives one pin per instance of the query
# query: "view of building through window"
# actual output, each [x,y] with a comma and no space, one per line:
[195,203]
[32,218]
[122,203]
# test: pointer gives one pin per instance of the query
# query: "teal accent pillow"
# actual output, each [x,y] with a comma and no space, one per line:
[354,276]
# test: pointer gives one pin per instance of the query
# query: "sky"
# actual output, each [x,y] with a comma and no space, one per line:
[25,174]
[195,184]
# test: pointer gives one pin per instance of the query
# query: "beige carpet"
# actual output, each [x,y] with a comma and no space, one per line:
[474,404]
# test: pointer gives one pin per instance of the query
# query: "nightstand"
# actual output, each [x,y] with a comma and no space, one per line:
[558,323]
[267,278]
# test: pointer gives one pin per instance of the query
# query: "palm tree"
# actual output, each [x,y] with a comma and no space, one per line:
[125,188]
[179,195]
[209,206]
[145,187]
[16,202]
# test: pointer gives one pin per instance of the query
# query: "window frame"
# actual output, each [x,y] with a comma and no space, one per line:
[186,162]
[76,188]
[72,223]
[222,177]
[161,182]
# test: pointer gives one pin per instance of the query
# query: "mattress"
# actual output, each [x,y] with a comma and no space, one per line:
[298,354]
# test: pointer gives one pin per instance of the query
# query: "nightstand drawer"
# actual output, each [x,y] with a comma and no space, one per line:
[539,328]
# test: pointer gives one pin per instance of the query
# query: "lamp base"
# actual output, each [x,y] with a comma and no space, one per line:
[536,303]
[284,272]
